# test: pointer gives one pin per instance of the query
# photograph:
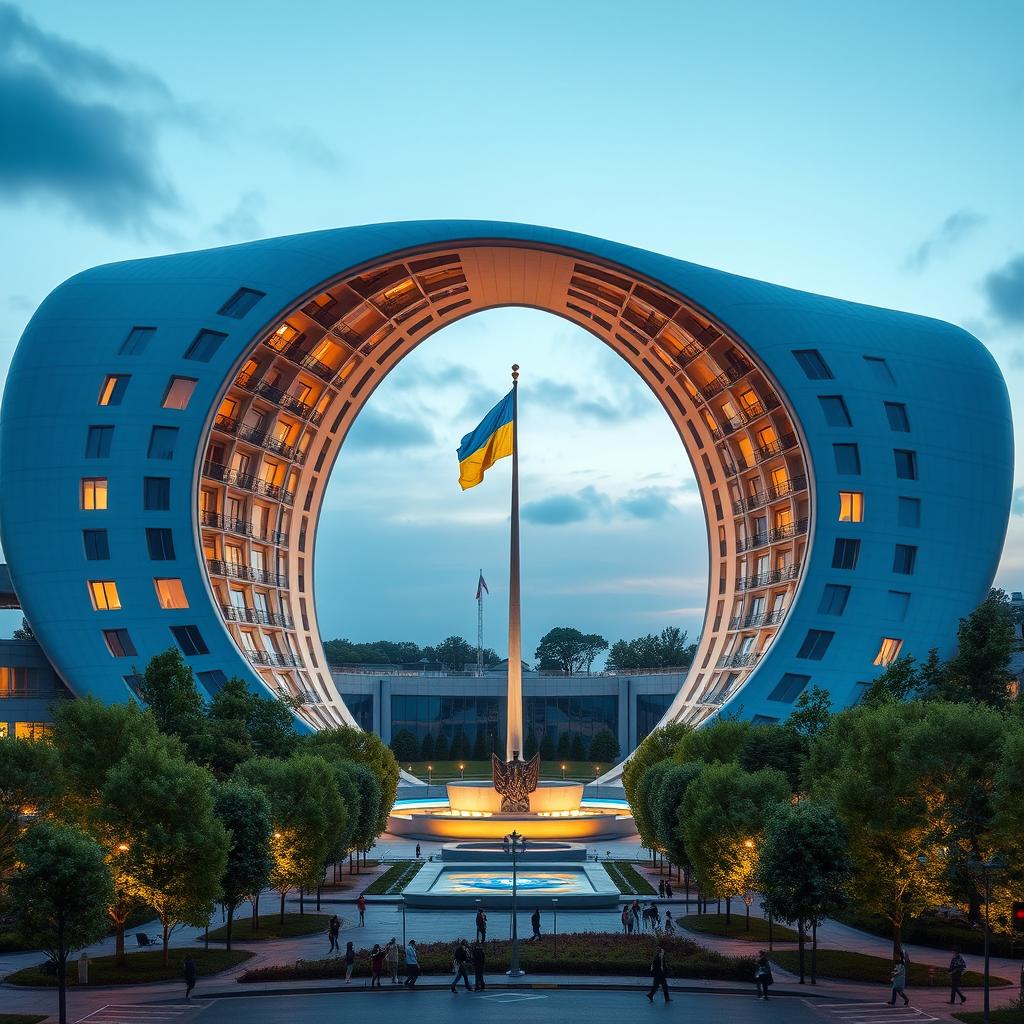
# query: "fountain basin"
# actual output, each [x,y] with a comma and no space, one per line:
[486,853]
[547,798]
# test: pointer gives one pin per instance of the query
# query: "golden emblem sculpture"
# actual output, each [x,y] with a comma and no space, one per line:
[515,780]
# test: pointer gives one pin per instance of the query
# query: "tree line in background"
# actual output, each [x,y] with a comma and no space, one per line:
[453,654]
[602,746]
[177,807]
[888,807]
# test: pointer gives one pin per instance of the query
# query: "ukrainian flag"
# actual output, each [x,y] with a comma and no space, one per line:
[492,440]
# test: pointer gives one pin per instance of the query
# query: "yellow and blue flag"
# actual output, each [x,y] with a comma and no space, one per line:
[492,440]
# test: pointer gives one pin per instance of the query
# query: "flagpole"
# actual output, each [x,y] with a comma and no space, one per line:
[514,713]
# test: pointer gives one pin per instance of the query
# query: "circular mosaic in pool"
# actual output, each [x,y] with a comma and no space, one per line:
[500,884]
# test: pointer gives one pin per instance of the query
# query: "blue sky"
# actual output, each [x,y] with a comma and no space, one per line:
[872,151]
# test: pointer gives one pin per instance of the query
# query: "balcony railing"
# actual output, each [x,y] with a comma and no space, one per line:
[394,306]
[773,536]
[275,660]
[242,528]
[716,699]
[739,660]
[303,696]
[277,397]
[771,618]
[247,482]
[770,494]
[298,353]
[240,571]
[767,579]
[776,447]
[728,376]
[261,438]
[255,617]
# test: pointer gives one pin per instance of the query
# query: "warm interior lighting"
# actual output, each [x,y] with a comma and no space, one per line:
[179,391]
[110,393]
[94,494]
[170,593]
[889,651]
[104,595]
[851,507]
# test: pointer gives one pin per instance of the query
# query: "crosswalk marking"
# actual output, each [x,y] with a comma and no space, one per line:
[511,997]
[872,1013]
[139,1013]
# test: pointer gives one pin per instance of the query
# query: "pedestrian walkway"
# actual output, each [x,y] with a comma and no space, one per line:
[872,1013]
[141,1013]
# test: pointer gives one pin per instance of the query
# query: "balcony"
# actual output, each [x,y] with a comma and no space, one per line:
[240,571]
[767,579]
[303,696]
[394,306]
[716,699]
[770,494]
[749,413]
[772,618]
[247,482]
[242,528]
[255,617]
[266,659]
[254,435]
[247,382]
[297,353]
[725,378]
[776,447]
[739,660]
[779,533]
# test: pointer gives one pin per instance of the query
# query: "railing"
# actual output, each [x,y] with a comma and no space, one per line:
[689,352]
[761,619]
[277,397]
[255,617]
[716,700]
[773,536]
[739,660]
[771,493]
[776,447]
[261,438]
[242,528]
[247,482]
[725,378]
[392,307]
[239,571]
[298,354]
[303,697]
[274,660]
[767,579]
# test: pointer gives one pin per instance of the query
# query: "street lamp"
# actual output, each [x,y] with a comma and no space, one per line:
[462,771]
[563,773]
[403,922]
[986,869]
[514,844]
[554,911]
[430,774]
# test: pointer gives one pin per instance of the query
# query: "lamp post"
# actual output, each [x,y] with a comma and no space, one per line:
[986,869]
[476,916]
[514,844]
[430,774]
[462,771]
[554,911]
[563,773]
[403,922]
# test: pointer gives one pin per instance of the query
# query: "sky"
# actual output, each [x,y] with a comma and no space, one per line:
[873,151]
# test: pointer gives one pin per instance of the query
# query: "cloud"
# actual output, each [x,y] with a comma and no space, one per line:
[243,222]
[630,400]
[649,503]
[1004,289]
[86,128]
[559,510]
[441,376]
[950,233]
[21,303]
[374,430]
[1017,504]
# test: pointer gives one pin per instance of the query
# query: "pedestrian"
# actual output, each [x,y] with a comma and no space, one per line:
[957,966]
[333,930]
[361,907]
[763,975]
[478,966]
[412,964]
[899,983]
[630,919]
[535,922]
[376,965]
[481,925]
[350,961]
[635,909]
[391,959]
[669,924]
[189,971]
[461,965]
[417,851]
[668,890]
[659,975]
[627,921]
[661,889]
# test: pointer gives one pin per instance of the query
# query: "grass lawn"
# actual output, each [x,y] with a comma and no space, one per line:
[627,879]
[445,771]
[715,924]
[838,963]
[21,1018]
[1007,1015]
[272,927]
[140,968]
[395,879]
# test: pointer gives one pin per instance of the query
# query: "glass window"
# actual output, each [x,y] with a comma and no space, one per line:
[898,603]
[240,303]
[114,387]
[190,640]
[906,464]
[119,643]
[97,442]
[179,392]
[137,340]
[847,459]
[812,364]
[156,493]
[104,595]
[789,687]
[908,512]
[170,593]
[94,493]
[162,441]
[97,547]
[851,507]
[889,651]
[898,419]
[815,644]
[834,408]
[904,559]
[833,599]
[204,346]
[32,730]
[845,553]
[216,679]
[160,542]
[879,370]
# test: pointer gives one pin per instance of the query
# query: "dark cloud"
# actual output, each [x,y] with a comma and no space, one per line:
[85,127]
[950,233]
[242,223]
[1004,289]
[374,430]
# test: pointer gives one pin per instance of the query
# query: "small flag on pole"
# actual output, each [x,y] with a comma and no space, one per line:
[481,587]
[492,440]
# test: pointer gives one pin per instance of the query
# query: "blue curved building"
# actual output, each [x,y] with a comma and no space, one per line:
[169,426]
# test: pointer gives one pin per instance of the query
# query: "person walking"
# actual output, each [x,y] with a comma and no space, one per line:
[333,931]
[763,975]
[535,923]
[481,926]
[899,983]
[189,972]
[659,975]
[478,966]
[670,928]
[417,851]
[668,890]
[391,959]
[412,964]
[376,965]
[635,911]
[627,921]
[361,907]
[461,965]
[350,961]
[957,966]
[661,889]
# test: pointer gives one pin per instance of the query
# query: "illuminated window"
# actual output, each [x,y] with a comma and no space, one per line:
[812,363]
[845,553]
[94,493]
[97,547]
[835,411]
[113,389]
[190,640]
[847,459]
[833,599]
[851,507]
[119,643]
[104,595]
[815,644]
[160,542]
[898,419]
[97,442]
[137,340]
[904,558]
[240,303]
[889,651]
[908,512]
[204,346]
[179,391]
[170,593]
[156,493]
[32,730]
[3,731]
[906,464]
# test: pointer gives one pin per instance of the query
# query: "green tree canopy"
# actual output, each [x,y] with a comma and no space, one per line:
[811,713]
[645,801]
[603,747]
[360,811]
[657,745]
[244,724]
[405,747]
[454,653]
[569,651]
[718,743]
[169,691]
[675,781]
[774,746]
[980,669]
[671,648]
[28,779]
[370,799]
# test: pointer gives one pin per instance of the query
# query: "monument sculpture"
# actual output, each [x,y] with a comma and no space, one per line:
[515,780]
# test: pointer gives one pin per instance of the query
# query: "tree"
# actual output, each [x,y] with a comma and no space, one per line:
[568,650]
[900,680]
[1008,795]
[404,746]
[657,745]
[803,867]
[60,892]
[157,814]
[645,803]
[669,649]
[441,747]
[664,808]
[564,748]
[718,743]
[980,669]
[169,691]
[604,746]
[530,745]
[360,809]
[479,745]
[28,779]
[460,748]
[547,747]
[811,713]
[455,654]
[245,814]
[243,724]
[24,631]
[576,750]
[370,798]
[427,748]
[774,746]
